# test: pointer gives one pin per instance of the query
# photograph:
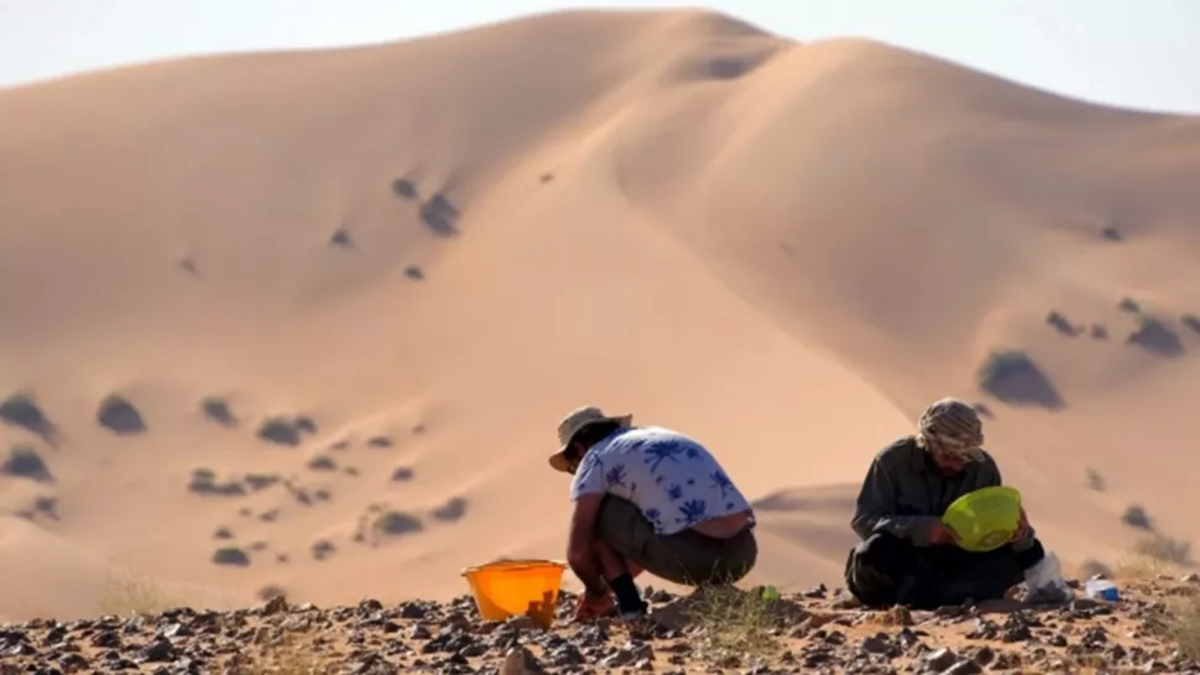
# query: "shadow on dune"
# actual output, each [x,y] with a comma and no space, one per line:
[1012,377]
[1061,324]
[801,499]
[1155,337]
[21,410]
[440,215]
[723,67]
[451,511]
[815,519]
[120,416]
[25,462]
[395,523]
[217,410]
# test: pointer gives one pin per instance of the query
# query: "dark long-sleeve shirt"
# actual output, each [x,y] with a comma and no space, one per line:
[905,494]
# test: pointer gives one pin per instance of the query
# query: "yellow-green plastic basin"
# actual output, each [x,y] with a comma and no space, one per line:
[985,519]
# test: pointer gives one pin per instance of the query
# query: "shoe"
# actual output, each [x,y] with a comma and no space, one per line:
[635,615]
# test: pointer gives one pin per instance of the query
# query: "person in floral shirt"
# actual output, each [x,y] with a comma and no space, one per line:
[647,499]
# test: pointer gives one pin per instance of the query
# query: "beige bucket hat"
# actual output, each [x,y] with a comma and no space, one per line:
[572,424]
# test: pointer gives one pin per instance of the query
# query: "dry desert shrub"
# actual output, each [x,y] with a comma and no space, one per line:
[1165,549]
[126,595]
[730,624]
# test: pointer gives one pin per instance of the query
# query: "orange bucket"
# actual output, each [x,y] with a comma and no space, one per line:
[507,588]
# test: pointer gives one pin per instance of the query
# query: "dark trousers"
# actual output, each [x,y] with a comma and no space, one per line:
[885,570]
[688,557]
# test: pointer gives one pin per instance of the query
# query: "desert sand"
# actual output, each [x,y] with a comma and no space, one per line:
[416,258]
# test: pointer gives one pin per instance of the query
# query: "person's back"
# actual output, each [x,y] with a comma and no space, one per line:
[674,480]
[647,499]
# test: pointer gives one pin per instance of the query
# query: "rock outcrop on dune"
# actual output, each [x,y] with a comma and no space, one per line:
[785,250]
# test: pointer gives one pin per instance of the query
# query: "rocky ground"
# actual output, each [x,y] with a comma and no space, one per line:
[817,632]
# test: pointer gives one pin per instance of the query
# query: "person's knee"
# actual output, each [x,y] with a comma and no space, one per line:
[884,550]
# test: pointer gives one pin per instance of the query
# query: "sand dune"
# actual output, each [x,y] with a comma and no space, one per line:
[426,252]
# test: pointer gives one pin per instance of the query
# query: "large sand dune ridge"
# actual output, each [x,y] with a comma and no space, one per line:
[431,250]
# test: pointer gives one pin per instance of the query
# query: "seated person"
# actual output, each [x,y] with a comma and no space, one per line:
[907,556]
[647,499]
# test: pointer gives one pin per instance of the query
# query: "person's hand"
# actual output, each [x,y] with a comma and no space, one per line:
[943,535]
[591,606]
[1022,528]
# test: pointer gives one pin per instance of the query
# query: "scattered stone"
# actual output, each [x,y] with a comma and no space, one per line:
[898,616]
[963,667]
[818,591]
[521,661]
[939,661]
[450,637]
[845,600]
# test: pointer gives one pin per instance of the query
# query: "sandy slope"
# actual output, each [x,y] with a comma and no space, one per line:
[783,249]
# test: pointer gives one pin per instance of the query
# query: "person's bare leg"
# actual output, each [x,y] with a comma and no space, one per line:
[618,571]
[612,564]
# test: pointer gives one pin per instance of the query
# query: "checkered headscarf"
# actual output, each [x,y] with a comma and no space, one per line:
[951,427]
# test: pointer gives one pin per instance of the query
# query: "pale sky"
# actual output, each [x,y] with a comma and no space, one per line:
[1134,53]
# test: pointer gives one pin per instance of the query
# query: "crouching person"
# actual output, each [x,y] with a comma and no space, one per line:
[907,556]
[647,499]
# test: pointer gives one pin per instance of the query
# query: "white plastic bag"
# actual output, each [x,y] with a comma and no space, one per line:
[1044,582]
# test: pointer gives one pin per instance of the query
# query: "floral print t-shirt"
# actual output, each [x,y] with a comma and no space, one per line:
[673,479]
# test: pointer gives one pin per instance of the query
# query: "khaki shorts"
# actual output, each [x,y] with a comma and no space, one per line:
[687,557]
